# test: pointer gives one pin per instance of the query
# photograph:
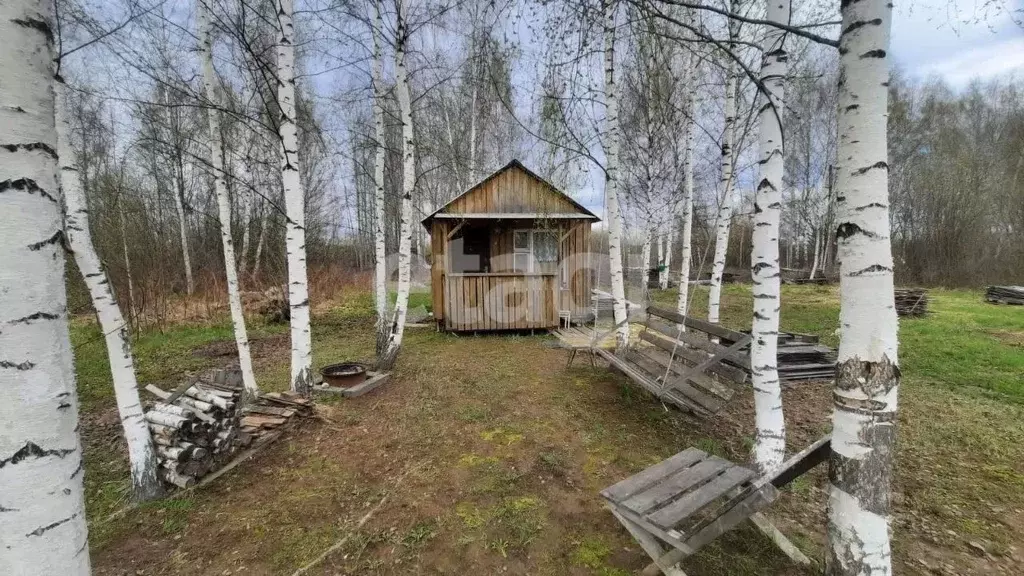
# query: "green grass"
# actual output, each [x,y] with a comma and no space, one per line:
[965,343]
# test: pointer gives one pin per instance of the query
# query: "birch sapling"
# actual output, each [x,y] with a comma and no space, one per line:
[867,373]
[724,220]
[770,436]
[612,135]
[645,259]
[42,504]
[294,204]
[666,256]
[141,453]
[380,250]
[223,201]
[682,304]
[394,344]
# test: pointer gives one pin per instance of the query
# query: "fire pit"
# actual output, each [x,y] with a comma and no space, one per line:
[344,375]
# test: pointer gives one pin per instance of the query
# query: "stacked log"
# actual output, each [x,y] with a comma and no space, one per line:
[200,426]
[1005,295]
[911,302]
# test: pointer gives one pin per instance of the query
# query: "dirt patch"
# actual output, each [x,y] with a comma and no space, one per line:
[1010,338]
[226,352]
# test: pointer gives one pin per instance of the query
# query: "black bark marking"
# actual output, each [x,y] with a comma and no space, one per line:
[57,238]
[870,269]
[37,316]
[31,147]
[871,205]
[861,24]
[32,450]
[848,229]
[42,529]
[873,54]
[26,365]
[865,170]
[6,509]
[78,469]
[25,185]
[37,24]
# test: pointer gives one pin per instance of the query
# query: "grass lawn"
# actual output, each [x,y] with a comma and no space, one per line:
[485,454]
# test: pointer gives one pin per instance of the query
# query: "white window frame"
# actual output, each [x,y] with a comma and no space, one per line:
[528,250]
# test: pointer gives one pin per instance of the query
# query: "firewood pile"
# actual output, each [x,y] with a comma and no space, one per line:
[1005,295]
[911,302]
[201,425]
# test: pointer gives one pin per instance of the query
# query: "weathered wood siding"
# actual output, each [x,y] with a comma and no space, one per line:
[511,191]
[499,302]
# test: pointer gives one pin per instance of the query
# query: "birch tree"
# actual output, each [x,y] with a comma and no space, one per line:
[42,501]
[223,202]
[682,304]
[295,223]
[611,169]
[397,330]
[141,454]
[867,374]
[380,288]
[770,438]
[724,220]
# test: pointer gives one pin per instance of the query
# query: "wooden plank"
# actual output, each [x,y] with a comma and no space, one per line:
[375,380]
[686,506]
[709,403]
[699,368]
[802,461]
[653,474]
[649,543]
[703,382]
[724,370]
[695,323]
[679,483]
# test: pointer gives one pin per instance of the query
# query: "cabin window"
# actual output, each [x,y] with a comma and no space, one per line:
[534,250]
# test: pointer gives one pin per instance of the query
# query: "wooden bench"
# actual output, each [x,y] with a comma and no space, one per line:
[679,505]
[683,367]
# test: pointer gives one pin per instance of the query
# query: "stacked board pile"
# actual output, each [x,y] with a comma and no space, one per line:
[198,428]
[1005,295]
[802,357]
[911,302]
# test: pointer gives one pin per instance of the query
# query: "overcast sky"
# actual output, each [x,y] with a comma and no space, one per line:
[958,40]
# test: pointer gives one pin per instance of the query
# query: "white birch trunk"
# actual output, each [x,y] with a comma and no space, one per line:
[817,254]
[683,303]
[380,271]
[770,435]
[612,177]
[394,343]
[42,506]
[666,255]
[179,208]
[867,374]
[645,259]
[294,205]
[132,310]
[244,194]
[141,457]
[724,219]
[223,202]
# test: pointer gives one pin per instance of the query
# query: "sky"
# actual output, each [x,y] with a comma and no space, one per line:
[958,40]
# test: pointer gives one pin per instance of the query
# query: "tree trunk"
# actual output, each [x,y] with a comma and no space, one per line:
[817,254]
[725,207]
[258,257]
[612,178]
[770,436]
[666,255]
[408,186]
[244,194]
[42,496]
[132,310]
[223,202]
[645,259]
[179,208]
[867,373]
[380,270]
[683,303]
[141,456]
[294,205]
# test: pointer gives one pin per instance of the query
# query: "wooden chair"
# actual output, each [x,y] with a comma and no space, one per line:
[684,368]
[678,506]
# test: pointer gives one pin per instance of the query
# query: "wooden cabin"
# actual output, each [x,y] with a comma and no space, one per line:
[510,253]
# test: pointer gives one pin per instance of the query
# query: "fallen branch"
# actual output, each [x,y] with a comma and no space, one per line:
[337,545]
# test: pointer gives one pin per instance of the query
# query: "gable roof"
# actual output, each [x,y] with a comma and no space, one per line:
[580,211]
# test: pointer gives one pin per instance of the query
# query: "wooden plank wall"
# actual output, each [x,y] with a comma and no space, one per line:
[574,253]
[511,191]
[438,246]
[490,302]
